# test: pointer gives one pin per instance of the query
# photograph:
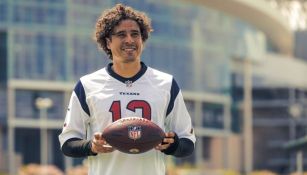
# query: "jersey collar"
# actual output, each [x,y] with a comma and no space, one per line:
[123,79]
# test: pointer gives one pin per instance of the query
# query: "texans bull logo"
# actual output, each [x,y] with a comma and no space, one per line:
[134,132]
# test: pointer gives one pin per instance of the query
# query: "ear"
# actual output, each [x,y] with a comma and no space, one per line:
[108,43]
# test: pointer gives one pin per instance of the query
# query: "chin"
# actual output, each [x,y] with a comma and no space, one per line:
[130,60]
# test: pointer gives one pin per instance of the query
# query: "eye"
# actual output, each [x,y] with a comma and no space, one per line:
[120,34]
[135,34]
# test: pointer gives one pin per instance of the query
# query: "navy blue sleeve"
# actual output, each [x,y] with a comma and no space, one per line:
[79,91]
[76,147]
[174,92]
[180,148]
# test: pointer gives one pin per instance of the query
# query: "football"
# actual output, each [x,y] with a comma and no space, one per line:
[133,135]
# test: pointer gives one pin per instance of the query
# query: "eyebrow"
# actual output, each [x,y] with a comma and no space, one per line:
[133,30]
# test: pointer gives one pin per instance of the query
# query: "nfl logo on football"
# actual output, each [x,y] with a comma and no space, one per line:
[134,132]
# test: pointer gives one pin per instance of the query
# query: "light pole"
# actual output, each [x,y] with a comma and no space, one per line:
[43,104]
[248,116]
[295,111]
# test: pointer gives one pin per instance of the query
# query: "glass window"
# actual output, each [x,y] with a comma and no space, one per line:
[43,1]
[3,12]
[206,148]
[26,108]
[29,13]
[3,57]
[57,155]
[82,18]
[92,2]
[182,71]
[25,144]
[3,104]
[213,115]
[161,57]
[55,16]
[191,108]
[86,57]
[39,56]
[162,28]
[57,53]
[189,160]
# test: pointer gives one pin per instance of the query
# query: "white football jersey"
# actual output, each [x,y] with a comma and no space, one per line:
[103,97]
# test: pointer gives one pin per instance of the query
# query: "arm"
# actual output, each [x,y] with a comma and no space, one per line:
[180,142]
[75,128]
[76,147]
[172,145]
[72,138]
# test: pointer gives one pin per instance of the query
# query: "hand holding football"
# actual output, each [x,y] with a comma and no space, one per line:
[133,135]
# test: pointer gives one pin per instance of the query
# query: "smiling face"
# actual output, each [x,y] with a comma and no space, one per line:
[126,42]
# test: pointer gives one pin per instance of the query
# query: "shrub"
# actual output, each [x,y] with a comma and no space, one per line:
[35,169]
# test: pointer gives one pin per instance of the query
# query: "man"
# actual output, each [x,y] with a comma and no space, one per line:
[126,87]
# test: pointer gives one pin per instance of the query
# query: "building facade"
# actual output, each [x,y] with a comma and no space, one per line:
[46,46]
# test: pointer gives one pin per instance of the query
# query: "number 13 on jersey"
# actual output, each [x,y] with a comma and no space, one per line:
[115,109]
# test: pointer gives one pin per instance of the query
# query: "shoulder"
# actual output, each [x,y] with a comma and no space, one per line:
[162,80]
[159,76]
[92,81]
[99,74]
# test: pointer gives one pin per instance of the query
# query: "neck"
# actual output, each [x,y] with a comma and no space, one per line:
[126,70]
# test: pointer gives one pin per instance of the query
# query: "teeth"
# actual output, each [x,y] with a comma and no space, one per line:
[129,49]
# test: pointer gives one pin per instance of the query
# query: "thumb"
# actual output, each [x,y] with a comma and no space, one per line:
[98,136]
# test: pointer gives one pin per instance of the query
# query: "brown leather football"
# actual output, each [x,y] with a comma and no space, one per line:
[133,135]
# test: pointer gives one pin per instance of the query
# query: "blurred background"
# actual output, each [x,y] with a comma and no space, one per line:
[241,65]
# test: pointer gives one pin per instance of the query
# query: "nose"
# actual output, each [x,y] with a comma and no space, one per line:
[129,38]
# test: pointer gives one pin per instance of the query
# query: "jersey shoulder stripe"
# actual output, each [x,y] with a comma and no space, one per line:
[79,91]
[167,82]
[173,94]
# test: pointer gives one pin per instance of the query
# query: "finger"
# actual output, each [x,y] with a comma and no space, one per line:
[98,139]
[107,146]
[170,134]
[95,143]
[96,147]
[162,147]
[100,145]
[101,149]
[100,142]
[168,140]
[105,149]
[98,136]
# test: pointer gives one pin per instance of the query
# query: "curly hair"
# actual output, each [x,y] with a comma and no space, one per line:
[110,18]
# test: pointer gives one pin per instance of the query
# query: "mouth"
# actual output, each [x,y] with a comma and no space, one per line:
[129,48]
